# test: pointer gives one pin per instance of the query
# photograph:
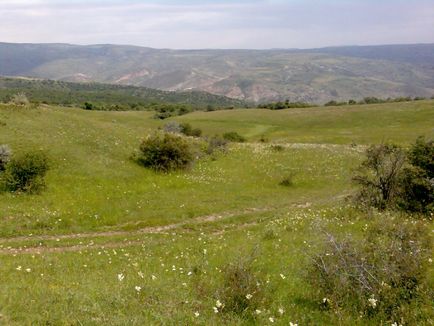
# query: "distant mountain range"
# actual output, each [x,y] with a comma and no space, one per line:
[315,75]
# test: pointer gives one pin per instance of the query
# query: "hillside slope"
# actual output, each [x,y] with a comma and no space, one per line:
[316,75]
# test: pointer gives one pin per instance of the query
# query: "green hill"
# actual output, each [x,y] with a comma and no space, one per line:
[110,242]
[67,93]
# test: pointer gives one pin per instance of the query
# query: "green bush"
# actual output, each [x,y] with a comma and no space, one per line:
[5,156]
[26,172]
[417,180]
[188,130]
[379,276]
[165,152]
[234,137]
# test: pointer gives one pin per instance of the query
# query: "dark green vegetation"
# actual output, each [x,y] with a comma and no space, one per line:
[223,242]
[94,96]
[312,76]
[25,172]
[165,152]
[391,177]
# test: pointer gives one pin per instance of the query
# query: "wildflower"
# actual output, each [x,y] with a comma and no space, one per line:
[216,310]
[218,304]
[282,276]
[28,270]
[257,311]
[271,319]
[18,268]
[189,273]
[249,296]
[281,311]
[373,302]
[121,277]
[138,288]
[153,277]
[141,274]
[197,314]
[292,324]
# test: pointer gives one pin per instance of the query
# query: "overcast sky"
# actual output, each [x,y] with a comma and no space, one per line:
[188,24]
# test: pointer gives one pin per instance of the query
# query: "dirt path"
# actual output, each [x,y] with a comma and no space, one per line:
[117,244]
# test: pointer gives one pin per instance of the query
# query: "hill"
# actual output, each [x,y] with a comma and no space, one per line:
[110,242]
[106,95]
[317,75]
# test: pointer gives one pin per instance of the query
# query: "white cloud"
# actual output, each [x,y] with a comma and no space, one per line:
[212,24]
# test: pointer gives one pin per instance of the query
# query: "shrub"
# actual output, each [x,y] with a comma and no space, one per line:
[278,148]
[417,191]
[234,137]
[421,155]
[378,176]
[26,172]
[5,155]
[216,143]
[417,180]
[88,106]
[188,130]
[242,291]
[173,127]
[19,99]
[287,181]
[165,152]
[378,275]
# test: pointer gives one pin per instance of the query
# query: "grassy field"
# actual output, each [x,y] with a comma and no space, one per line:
[170,235]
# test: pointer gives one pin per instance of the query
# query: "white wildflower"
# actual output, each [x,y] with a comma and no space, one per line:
[153,277]
[121,277]
[141,274]
[282,276]
[218,304]
[292,324]
[28,270]
[18,268]
[257,311]
[271,319]
[197,314]
[281,311]
[249,296]
[138,288]
[216,310]
[373,302]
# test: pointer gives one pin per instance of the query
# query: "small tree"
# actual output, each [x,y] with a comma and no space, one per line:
[165,152]
[378,176]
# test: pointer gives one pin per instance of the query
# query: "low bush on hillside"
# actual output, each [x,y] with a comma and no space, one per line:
[382,275]
[5,156]
[19,99]
[165,152]
[172,127]
[242,290]
[216,144]
[26,172]
[287,181]
[188,130]
[390,177]
[233,136]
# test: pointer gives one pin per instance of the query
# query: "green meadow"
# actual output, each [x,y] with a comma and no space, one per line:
[109,242]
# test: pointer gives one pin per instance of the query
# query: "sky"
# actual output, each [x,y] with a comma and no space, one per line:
[241,24]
